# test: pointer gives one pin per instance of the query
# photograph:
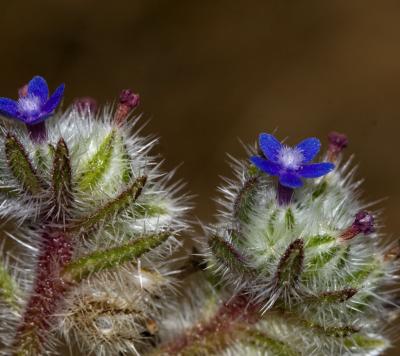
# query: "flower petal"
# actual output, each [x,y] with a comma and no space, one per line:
[309,148]
[270,146]
[9,107]
[38,87]
[290,180]
[265,165]
[315,170]
[53,101]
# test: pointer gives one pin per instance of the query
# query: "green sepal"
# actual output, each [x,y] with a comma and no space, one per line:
[358,277]
[40,160]
[20,165]
[332,297]
[271,221]
[61,180]
[321,189]
[245,200]
[148,210]
[127,170]
[321,259]
[319,240]
[360,341]
[8,288]
[112,257]
[114,207]
[225,252]
[290,264]
[333,331]
[263,342]
[94,169]
[289,219]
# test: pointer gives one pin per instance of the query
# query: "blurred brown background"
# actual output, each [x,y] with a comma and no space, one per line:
[211,72]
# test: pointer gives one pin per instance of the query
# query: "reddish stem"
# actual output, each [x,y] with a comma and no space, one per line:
[48,290]
[239,309]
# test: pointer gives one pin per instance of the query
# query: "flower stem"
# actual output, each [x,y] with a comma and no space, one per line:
[37,132]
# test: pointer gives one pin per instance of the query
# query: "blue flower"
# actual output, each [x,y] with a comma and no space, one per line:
[290,164]
[34,107]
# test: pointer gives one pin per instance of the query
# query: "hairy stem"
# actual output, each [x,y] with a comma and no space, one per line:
[48,291]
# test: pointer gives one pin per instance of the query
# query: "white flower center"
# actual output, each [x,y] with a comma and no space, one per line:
[29,104]
[290,158]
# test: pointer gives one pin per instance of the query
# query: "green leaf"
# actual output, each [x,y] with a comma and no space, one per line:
[264,343]
[112,257]
[61,180]
[97,165]
[227,254]
[114,207]
[290,264]
[20,165]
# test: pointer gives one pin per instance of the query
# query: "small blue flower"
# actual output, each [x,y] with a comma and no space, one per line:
[34,107]
[290,164]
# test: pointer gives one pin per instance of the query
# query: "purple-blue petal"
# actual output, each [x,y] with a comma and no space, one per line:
[38,87]
[53,101]
[290,180]
[265,165]
[9,107]
[316,170]
[270,146]
[309,148]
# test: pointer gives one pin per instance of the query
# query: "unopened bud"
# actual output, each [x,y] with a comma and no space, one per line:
[363,223]
[128,101]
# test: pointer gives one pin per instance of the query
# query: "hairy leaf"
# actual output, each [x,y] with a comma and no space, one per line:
[113,257]
[115,206]
[20,165]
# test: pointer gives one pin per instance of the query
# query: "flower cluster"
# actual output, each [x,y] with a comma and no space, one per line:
[98,225]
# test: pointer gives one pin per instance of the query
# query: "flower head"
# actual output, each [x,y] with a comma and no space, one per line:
[290,164]
[34,104]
